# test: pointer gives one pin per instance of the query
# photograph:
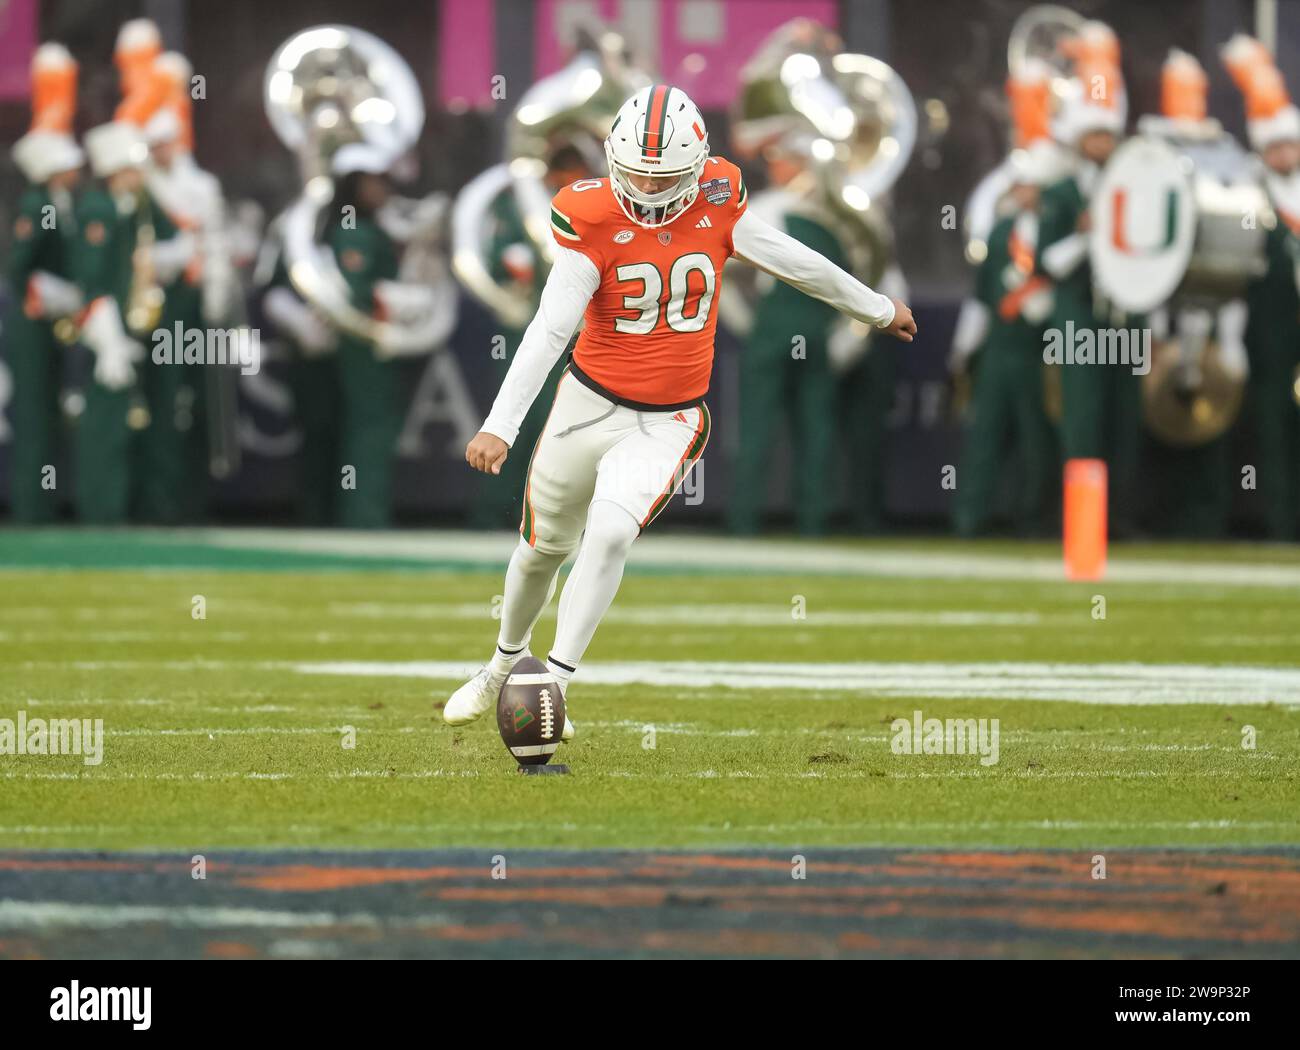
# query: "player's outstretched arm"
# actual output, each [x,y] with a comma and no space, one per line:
[813,274]
[570,286]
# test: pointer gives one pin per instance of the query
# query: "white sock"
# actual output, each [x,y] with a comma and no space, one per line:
[561,672]
[530,585]
[592,584]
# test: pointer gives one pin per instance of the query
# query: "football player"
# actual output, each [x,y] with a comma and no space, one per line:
[640,256]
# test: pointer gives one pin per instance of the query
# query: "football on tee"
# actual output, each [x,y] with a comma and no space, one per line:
[530,713]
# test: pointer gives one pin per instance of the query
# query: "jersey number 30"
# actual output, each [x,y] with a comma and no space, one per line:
[652,287]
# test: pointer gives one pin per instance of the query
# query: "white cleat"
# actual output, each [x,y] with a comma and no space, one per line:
[475,697]
[567,734]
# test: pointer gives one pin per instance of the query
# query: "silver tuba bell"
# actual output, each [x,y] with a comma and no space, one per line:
[1037,38]
[574,106]
[324,88]
[853,121]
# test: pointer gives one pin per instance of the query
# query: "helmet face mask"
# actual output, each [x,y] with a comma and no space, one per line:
[653,209]
[660,134]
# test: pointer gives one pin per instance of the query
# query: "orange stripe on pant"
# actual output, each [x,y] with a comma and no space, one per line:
[678,473]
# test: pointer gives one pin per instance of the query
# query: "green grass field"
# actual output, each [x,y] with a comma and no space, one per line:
[231,730]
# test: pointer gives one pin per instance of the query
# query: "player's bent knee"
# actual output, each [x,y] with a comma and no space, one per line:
[611,530]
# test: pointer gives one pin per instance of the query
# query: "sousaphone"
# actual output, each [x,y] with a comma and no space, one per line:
[853,121]
[1037,38]
[325,87]
[574,106]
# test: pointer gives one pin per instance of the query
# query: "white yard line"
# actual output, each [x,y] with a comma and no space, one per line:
[707,615]
[1118,683]
[211,709]
[705,553]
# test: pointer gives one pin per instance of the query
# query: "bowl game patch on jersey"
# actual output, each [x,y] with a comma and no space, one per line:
[716,191]
[649,329]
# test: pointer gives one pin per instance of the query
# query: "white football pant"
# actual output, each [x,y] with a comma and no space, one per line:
[602,472]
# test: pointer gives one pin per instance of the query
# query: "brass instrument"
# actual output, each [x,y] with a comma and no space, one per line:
[851,120]
[325,87]
[145,300]
[574,106]
[1190,396]
[144,304]
[1036,37]
[66,331]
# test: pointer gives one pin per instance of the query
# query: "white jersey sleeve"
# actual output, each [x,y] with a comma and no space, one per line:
[572,282]
[779,254]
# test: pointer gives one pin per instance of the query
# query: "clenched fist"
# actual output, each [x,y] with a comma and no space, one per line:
[902,326]
[486,452]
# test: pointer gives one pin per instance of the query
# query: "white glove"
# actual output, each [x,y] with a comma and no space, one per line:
[1233,316]
[217,294]
[113,367]
[115,351]
[418,321]
[53,297]
[299,321]
[972,328]
[404,303]
[519,262]
[169,258]
[406,220]
[848,342]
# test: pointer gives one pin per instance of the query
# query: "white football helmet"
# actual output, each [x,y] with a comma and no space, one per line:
[659,132]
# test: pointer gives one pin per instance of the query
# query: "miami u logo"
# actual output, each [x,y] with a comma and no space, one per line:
[1119,212]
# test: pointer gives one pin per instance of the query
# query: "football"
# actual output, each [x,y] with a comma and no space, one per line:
[530,713]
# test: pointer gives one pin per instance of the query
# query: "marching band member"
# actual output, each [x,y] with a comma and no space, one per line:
[368,382]
[1101,404]
[999,341]
[199,296]
[1273,330]
[312,343]
[124,236]
[834,131]
[1188,483]
[169,450]
[777,386]
[40,272]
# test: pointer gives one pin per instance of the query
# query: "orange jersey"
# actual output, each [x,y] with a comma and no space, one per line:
[648,331]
